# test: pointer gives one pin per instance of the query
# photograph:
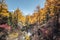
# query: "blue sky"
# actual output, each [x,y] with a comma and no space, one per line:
[26,6]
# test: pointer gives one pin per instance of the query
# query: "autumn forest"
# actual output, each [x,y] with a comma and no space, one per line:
[47,17]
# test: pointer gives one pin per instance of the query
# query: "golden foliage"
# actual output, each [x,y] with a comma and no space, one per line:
[39,15]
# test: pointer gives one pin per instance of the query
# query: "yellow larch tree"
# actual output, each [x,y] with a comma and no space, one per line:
[19,16]
[3,9]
